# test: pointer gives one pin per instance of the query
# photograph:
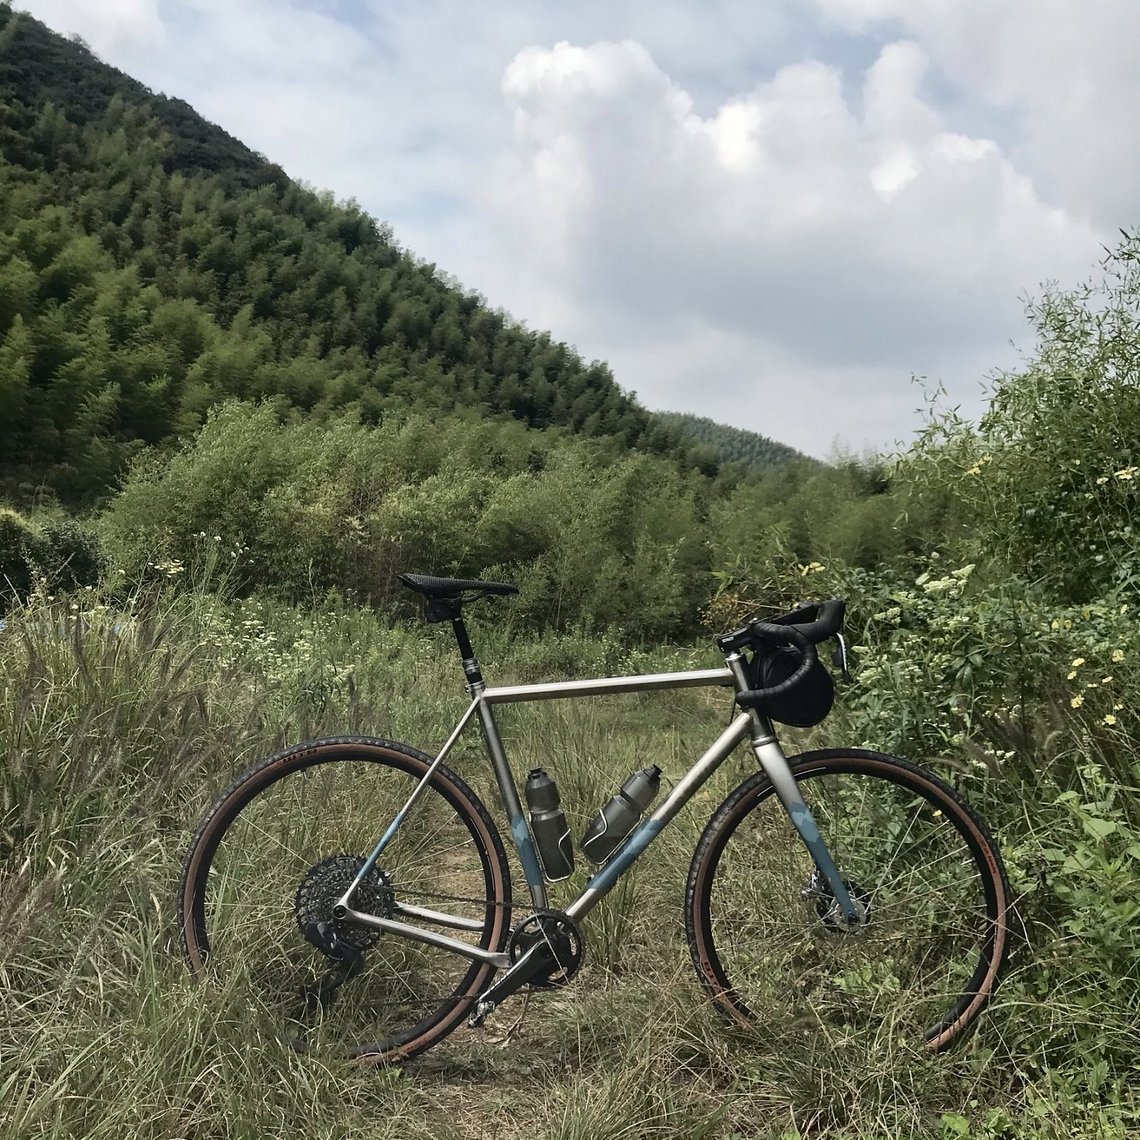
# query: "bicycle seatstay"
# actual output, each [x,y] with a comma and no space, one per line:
[401,815]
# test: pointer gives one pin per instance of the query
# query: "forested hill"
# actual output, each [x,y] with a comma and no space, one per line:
[151,266]
[731,444]
[38,67]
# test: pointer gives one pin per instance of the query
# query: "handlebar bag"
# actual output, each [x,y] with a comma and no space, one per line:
[806,704]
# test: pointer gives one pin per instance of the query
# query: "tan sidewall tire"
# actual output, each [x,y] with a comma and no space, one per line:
[249,784]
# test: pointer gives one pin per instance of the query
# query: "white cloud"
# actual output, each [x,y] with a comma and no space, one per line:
[894,172]
[1066,74]
[794,233]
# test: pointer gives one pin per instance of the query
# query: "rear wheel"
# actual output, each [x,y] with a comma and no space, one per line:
[768,939]
[280,847]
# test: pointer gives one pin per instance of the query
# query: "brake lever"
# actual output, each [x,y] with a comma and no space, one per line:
[839,657]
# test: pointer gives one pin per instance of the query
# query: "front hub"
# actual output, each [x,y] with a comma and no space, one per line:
[828,909]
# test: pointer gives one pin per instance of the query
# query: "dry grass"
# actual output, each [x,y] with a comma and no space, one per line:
[117,730]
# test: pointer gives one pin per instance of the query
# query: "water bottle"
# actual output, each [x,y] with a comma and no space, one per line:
[616,819]
[548,826]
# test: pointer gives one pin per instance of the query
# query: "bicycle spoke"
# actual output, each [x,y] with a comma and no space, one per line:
[280,863]
[775,931]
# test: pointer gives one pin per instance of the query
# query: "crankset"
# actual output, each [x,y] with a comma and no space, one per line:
[559,943]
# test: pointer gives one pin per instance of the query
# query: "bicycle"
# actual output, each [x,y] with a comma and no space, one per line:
[883,906]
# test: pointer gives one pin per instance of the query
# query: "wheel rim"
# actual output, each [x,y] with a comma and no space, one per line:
[264,844]
[922,963]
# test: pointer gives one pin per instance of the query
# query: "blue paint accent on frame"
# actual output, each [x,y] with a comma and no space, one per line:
[385,839]
[805,825]
[525,847]
[809,832]
[627,853]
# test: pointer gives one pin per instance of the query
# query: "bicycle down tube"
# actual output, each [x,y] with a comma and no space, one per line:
[746,724]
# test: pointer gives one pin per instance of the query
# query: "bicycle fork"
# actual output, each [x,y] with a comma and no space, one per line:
[772,760]
[770,756]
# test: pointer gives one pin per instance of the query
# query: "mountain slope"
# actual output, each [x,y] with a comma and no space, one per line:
[731,444]
[151,265]
[38,67]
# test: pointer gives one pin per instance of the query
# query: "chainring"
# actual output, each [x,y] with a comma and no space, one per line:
[322,888]
[564,945]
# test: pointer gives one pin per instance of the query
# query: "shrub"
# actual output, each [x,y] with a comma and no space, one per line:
[1049,478]
[299,509]
[68,554]
[18,546]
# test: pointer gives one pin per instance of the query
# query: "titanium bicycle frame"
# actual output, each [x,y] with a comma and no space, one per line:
[746,724]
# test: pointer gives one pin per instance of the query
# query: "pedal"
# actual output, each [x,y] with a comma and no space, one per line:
[479,1014]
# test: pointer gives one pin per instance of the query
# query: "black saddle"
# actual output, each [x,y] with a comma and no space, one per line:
[444,596]
[432,587]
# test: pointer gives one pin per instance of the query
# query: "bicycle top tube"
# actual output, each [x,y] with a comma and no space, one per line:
[800,630]
[602,686]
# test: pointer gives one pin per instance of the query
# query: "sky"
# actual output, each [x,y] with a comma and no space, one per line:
[798,217]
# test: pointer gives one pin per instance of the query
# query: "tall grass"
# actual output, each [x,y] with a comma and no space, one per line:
[120,721]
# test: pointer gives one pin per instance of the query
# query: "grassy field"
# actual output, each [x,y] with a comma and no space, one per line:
[120,722]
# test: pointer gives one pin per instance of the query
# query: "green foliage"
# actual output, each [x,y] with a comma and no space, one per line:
[770,534]
[1029,709]
[160,284]
[17,550]
[121,720]
[311,507]
[151,267]
[726,444]
[58,552]
[68,555]
[996,629]
[70,88]
[1048,480]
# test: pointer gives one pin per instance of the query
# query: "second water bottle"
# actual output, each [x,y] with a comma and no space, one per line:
[616,818]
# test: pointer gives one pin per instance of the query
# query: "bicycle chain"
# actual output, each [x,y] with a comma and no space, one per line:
[438,896]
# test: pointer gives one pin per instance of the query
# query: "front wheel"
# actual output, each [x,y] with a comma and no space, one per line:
[273,856]
[769,941]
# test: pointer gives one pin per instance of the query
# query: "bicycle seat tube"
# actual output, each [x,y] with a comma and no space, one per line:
[524,843]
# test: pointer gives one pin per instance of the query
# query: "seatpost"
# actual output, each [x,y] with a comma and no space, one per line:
[471,668]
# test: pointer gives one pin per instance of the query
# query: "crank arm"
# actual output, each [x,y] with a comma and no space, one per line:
[529,966]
